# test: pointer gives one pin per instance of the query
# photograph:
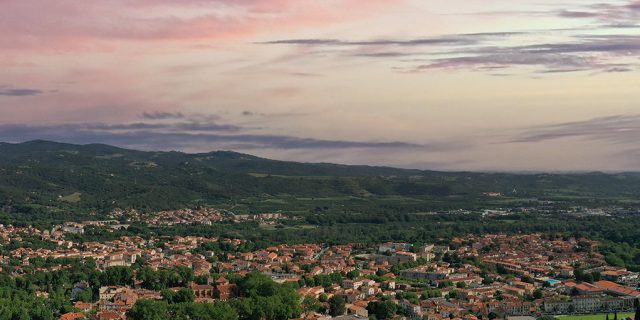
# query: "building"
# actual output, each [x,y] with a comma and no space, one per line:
[426,272]
[72,316]
[586,304]
[202,291]
[394,247]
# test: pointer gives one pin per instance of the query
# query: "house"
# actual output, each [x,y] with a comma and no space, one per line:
[84,306]
[223,289]
[72,316]
[426,272]
[107,293]
[352,284]
[108,315]
[311,292]
[368,291]
[202,291]
[116,298]
[357,311]
[389,284]
[584,288]
[616,289]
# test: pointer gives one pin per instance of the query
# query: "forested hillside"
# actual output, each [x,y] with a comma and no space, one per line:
[42,176]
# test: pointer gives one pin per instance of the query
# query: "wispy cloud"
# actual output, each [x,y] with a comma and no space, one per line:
[457,39]
[19,92]
[159,115]
[249,113]
[605,53]
[576,14]
[550,61]
[608,13]
[383,42]
[182,126]
[616,129]
[594,47]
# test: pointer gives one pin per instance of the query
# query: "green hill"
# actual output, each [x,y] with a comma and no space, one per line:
[41,176]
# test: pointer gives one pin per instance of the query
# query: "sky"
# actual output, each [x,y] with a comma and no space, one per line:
[483,85]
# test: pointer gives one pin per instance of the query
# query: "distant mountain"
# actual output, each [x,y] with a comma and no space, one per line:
[230,162]
[42,175]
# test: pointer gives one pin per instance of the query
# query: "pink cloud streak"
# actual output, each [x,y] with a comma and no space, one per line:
[70,24]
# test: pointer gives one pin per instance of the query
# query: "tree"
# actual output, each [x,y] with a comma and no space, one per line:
[201,279]
[432,293]
[382,309]
[117,276]
[588,277]
[353,274]
[184,295]
[265,299]
[217,310]
[537,294]
[615,260]
[148,310]
[637,317]
[501,269]
[310,304]
[337,306]
[85,295]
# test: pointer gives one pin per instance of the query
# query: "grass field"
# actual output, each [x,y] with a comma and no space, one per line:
[602,316]
[72,198]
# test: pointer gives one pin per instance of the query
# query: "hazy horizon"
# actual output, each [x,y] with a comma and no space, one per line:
[526,86]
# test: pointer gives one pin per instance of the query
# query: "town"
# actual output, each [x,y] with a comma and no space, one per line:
[471,277]
[204,216]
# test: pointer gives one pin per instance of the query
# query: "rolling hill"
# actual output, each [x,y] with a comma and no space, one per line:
[39,176]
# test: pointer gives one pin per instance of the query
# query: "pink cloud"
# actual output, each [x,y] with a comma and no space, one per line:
[70,24]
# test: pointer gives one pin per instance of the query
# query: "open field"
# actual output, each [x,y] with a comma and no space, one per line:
[601,316]
[72,198]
